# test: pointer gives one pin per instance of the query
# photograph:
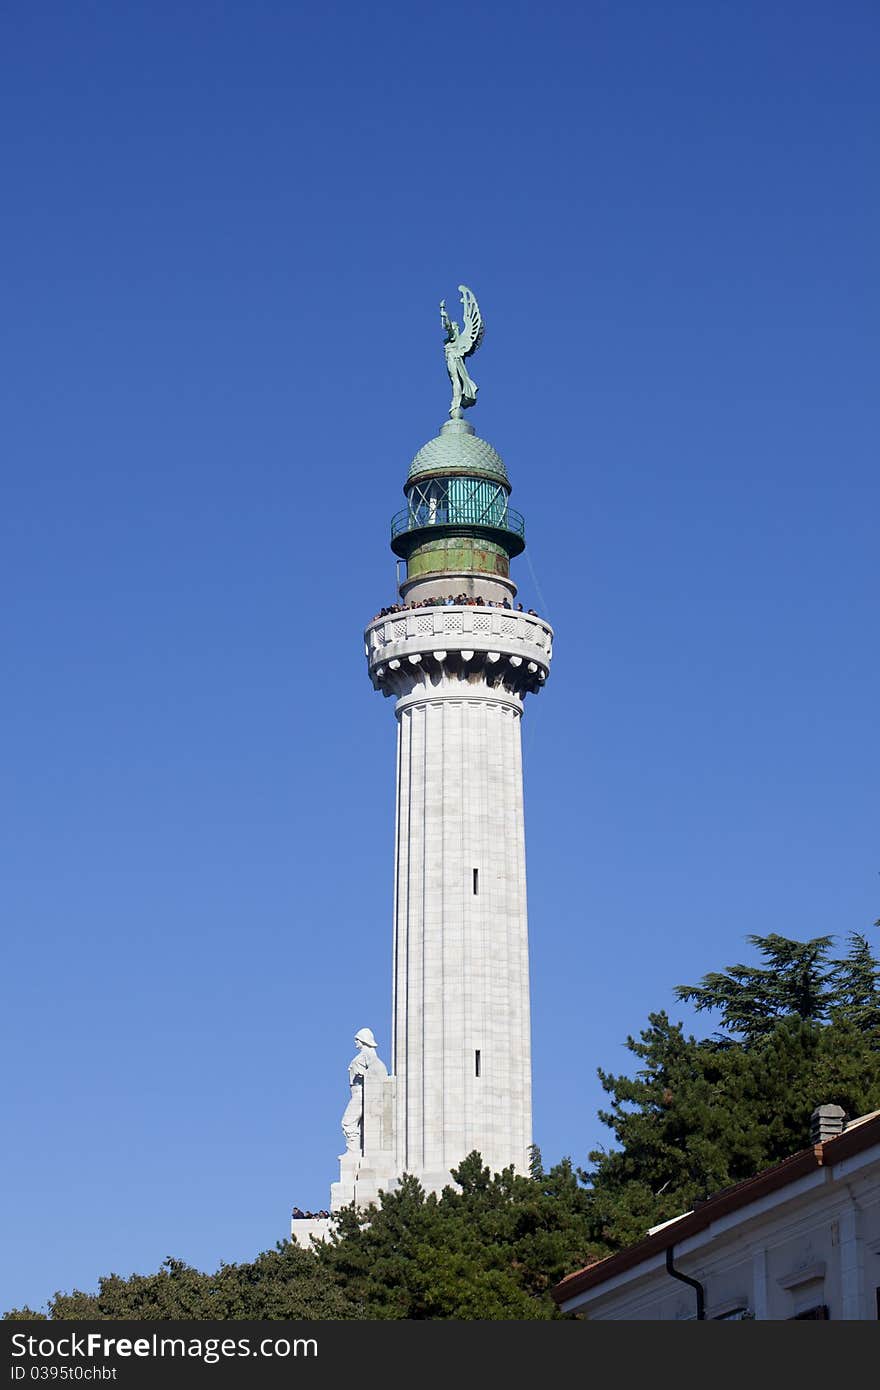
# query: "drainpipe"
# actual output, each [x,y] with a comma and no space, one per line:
[686,1279]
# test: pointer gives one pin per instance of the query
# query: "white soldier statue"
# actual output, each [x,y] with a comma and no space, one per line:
[458,344]
[365,1060]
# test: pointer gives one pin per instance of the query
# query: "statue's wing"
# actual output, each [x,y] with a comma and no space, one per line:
[472,327]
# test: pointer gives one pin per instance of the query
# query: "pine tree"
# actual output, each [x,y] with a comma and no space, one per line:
[796,981]
[699,1116]
[857,986]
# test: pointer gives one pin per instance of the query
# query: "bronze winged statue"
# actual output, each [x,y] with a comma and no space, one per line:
[458,344]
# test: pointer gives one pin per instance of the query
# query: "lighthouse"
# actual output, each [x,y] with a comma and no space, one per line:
[456,658]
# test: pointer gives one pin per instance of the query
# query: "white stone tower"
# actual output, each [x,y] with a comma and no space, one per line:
[461,1053]
[458,656]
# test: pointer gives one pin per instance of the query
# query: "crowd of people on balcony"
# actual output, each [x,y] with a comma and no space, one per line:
[450,601]
[299,1215]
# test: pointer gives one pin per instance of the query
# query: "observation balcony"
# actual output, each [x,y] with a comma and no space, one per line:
[474,641]
[464,517]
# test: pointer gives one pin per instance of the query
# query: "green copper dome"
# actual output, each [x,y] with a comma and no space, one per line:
[457,449]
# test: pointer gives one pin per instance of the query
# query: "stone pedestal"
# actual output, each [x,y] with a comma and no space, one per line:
[305,1229]
[362,1176]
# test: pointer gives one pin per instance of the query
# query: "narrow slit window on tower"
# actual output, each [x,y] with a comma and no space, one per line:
[476,1054]
[476,880]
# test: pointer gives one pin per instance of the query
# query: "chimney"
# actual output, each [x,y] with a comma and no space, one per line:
[825,1122]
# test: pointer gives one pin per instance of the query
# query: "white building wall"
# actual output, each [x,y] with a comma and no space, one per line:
[815,1243]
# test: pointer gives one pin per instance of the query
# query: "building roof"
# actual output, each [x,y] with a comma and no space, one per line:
[860,1134]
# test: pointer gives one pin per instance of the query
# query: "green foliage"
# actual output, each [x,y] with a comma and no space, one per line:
[700,1116]
[284,1283]
[752,999]
[857,986]
[799,980]
[492,1249]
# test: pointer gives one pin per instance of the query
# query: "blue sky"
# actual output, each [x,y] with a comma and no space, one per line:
[226,230]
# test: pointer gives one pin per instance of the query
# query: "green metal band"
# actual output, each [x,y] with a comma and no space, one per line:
[457,555]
